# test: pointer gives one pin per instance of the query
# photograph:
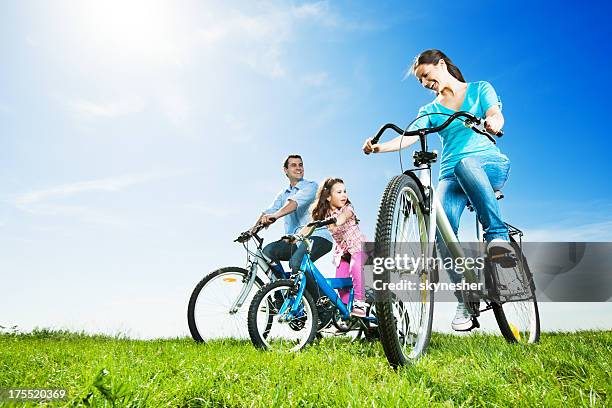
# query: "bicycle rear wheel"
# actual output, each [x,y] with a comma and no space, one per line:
[404,318]
[208,312]
[268,329]
[519,321]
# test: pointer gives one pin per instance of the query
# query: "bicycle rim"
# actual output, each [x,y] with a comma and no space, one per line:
[267,327]
[519,322]
[209,307]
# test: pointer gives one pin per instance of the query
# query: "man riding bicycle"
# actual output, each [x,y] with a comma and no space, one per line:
[293,203]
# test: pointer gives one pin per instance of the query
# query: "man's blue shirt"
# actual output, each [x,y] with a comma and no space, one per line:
[303,194]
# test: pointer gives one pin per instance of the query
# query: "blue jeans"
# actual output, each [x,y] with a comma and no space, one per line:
[284,251]
[475,179]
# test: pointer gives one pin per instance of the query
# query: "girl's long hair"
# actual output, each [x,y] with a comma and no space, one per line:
[434,56]
[321,206]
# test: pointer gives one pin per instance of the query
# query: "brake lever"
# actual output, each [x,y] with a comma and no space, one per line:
[243,237]
[479,127]
[246,235]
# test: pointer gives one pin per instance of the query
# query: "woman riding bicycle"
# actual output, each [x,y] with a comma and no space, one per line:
[471,167]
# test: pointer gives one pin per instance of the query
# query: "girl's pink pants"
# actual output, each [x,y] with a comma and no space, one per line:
[353,269]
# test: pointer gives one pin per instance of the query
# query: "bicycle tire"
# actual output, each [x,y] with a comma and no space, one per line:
[394,312]
[196,328]
[519,322]
[260,297]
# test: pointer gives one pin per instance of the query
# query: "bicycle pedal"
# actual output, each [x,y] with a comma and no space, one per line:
[505,260]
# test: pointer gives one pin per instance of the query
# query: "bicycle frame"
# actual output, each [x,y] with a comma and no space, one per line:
[438,220]
[256,261]
[290,308]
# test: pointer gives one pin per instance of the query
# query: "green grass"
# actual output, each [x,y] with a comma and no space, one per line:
[565,369]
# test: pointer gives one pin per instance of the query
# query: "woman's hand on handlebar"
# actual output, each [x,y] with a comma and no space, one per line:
[494,120]
[368,147]
[493,124]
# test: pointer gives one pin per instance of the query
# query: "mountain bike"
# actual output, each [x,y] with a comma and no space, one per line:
[410,212]
[283,315]
[219,303]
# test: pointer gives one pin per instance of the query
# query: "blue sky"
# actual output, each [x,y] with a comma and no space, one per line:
[138,138]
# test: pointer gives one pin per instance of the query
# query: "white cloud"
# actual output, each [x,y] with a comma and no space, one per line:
[316,80]
[109,185]
[79,212]
[32,42]
[176,107]
[255,41]
[312,10]
[124,106]
[259,39]
[211,210]
[590,232]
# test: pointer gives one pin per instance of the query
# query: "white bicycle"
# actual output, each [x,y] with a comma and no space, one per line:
[410,213]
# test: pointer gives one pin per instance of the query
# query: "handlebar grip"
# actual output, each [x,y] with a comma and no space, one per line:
[498,134]
[323,223]
[380,132]
[328,221]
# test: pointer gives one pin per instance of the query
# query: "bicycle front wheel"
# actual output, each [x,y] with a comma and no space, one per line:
[271,330]
[518,321]
[404,319]
[208,313]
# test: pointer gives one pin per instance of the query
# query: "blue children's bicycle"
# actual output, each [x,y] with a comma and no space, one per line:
[283,315]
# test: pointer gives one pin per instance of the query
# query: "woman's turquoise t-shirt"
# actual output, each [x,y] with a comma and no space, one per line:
[459,141]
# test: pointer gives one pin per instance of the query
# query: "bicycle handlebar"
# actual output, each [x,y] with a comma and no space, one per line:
[322,223]
[473,122]
[251,233]
[315,224]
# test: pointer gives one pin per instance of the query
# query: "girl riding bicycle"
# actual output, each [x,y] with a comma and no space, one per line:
[349,257]
[471,167]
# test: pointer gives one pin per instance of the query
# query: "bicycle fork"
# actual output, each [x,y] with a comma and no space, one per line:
[248,285]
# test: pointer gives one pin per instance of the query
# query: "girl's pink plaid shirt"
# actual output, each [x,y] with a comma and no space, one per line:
[348,236]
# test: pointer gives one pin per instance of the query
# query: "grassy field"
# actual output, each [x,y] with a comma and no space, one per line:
[565,369]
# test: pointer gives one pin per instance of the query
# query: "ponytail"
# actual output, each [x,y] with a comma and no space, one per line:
[434,56]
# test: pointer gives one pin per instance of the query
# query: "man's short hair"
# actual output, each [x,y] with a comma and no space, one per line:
[291,156]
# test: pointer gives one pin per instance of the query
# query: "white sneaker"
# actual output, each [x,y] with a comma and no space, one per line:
[462,320]
[499,245]
[359,308]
